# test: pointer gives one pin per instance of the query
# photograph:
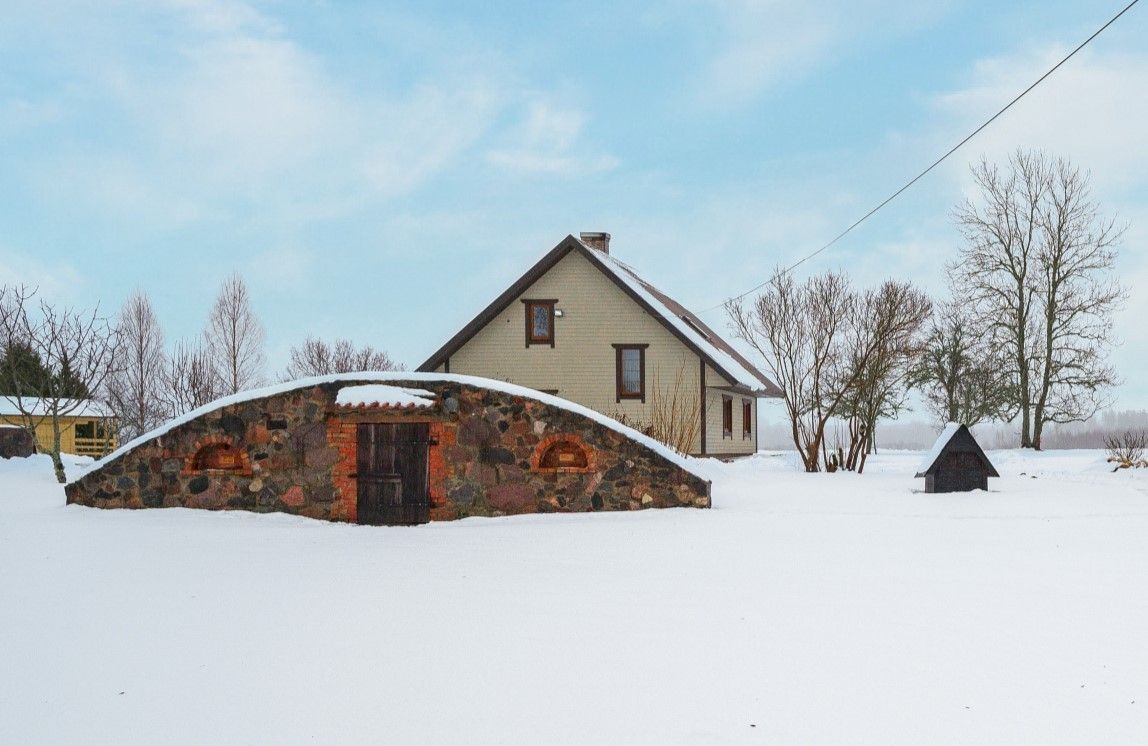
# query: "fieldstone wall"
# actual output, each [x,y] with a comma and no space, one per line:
[16,441]
[295,452]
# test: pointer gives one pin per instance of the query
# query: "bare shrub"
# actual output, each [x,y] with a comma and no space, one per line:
[674,413]
[315,357]
[1126,449]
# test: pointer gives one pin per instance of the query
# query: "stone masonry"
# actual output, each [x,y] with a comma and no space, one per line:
[295,452]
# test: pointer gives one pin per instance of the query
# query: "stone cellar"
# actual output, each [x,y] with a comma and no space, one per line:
[400,448]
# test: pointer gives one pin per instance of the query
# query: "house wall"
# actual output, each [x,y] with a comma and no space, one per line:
[296,454]
[716,443]
[581,365]
[68,440]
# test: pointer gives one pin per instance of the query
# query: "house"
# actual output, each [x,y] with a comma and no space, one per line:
[87,427]
[393,448]
[587,327]
[956,463]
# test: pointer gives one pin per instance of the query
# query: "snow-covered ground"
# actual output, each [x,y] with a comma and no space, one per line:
[801,609]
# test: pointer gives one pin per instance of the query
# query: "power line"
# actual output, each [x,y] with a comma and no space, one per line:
[935,163]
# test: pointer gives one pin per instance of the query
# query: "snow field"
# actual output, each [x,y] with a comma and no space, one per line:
[801,609]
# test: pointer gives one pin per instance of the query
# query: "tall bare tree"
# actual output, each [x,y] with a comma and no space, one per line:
[316,357]
[1036,268]
[1079,296]
[800,332]
[190,379]
[135,388]
[76,348]
[234,337]
[962,376]
[885,338]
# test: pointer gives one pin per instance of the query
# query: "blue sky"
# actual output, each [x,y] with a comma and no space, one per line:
[381,171]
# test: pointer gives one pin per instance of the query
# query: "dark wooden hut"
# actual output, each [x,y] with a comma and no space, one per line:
[956,463]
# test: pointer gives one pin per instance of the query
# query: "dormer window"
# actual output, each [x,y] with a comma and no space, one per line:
[539,322]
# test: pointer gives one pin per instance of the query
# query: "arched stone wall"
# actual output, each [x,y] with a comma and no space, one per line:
[295,453]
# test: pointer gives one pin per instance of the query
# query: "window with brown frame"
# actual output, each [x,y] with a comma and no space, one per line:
[746,418]
[630,371]
[727,417]
[539,322]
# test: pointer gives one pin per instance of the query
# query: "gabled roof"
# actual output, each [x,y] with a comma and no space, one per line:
[10,406]
[955,438]
[688,328]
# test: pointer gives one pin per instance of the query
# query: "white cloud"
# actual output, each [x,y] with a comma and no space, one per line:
[1092,111]
[547,142]
[213,107]
[58,283]
[766,43]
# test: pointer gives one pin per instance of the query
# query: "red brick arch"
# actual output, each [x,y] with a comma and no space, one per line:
[551,441]
[208,441]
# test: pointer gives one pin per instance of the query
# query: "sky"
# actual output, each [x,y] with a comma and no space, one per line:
[381,171]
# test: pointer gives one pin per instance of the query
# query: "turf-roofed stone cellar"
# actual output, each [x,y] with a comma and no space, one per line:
[393,450]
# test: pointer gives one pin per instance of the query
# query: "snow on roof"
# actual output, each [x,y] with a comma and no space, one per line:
[382,395]
[686,323]
[10,407]
[935,452]
[684,462]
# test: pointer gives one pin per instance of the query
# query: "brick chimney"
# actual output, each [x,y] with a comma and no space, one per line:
[599,241]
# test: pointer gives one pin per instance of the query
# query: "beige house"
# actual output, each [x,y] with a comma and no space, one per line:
[584,326]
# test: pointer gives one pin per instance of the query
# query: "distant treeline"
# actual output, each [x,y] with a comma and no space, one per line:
[916,435]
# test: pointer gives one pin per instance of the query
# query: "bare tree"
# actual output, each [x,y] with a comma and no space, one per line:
[962,376]
[76,348]
[234,337]
[799,330]
[885,338]
[135,388]
[1035,267]
[318,358]
[190,379]
[1078,298]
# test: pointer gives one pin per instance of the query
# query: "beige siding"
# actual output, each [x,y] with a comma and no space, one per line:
[581,365]
[717,443]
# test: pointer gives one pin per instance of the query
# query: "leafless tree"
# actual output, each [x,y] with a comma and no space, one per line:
[962,376]
[234,337]
[318,358]
[800,331]
[190,379]
[884,340]
[135,388]
[1078,297]
[1036,268]
[76,348]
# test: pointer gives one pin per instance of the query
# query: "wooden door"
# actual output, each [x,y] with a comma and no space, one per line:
[392,473]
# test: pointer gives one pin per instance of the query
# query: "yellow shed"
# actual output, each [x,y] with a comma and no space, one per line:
[86,430]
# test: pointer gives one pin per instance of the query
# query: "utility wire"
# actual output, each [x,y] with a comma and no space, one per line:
[935,163]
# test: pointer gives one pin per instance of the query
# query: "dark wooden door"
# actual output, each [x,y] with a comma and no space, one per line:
[392,473]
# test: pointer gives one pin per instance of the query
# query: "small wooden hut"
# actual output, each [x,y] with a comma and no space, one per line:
[956,463]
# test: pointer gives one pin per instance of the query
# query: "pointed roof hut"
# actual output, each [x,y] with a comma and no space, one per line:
[956,463]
